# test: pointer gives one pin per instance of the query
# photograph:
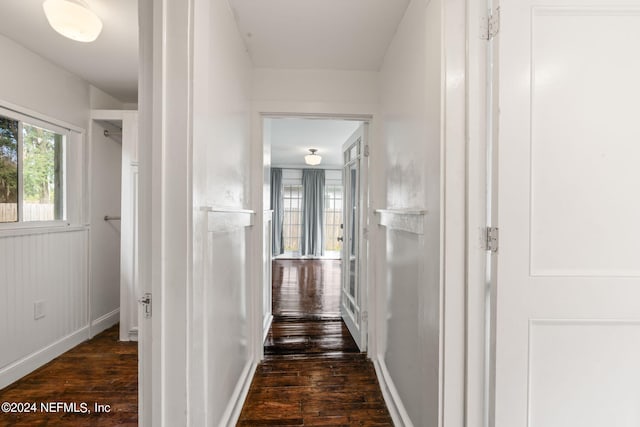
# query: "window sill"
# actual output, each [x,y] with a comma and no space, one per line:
[47,227]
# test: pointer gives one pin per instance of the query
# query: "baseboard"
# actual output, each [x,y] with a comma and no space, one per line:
[266,325]
[390,393]
[232,412]
[30,363]
[105,322]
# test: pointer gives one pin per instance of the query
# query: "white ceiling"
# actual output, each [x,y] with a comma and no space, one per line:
[291,140]
[327,34]
[110,63]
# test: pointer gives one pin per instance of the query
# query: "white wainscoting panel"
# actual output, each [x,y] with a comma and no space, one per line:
[226,310]
[48,270]
[584,373]
[405,362]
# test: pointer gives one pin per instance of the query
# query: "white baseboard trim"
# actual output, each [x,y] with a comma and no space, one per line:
[105,322]
[30,363]
[390,393]
[232,412]
[266,325]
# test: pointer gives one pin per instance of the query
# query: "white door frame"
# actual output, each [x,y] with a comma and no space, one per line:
[481,122]
[257,298]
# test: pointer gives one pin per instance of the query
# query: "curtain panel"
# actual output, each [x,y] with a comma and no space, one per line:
[277,205]
[312,212]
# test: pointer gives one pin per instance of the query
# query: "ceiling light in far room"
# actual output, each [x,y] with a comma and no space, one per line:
[73,19]
[312,159]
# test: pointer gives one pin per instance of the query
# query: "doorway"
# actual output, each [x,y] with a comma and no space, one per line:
[313,286]
[114,215]
[105,219]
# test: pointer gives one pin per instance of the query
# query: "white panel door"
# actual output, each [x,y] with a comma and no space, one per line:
[353,293]
[567,282]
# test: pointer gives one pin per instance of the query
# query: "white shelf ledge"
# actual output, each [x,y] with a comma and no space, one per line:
[223,219]
[409,220]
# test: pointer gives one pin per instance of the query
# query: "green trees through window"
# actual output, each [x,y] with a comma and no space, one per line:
[42,177]
[31,172]
[8,170]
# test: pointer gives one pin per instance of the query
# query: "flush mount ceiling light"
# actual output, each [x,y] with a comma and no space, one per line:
[73,19]
[312,159]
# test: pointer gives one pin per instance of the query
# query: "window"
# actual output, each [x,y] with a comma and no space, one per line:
[292,224]
[332,217]
[31,170]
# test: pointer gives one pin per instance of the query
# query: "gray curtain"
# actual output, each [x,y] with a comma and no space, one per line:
[312,212]
[277,205]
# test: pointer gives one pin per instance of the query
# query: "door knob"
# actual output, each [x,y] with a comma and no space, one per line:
[340,239]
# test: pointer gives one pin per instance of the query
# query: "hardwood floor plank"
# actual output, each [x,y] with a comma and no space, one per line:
[305,288]
[101,370]
[313,373]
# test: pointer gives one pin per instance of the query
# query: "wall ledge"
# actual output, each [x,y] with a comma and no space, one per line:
[30,230]
[409,220]
[223,219]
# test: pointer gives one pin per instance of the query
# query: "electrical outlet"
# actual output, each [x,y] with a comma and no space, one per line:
[38,310]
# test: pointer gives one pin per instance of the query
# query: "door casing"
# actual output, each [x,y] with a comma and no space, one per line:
[257,297]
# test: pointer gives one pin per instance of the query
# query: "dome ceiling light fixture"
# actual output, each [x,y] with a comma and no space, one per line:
[312,159]
[73,19]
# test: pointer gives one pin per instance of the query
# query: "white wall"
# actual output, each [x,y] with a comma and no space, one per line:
[409,298]
[47,264]
[33,82]
[315,87]
[199,161]
[100,100]
[423,125]
[106,172]
[314,92]
[221,108]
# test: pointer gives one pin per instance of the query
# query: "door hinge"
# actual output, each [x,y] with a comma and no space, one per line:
[491,239]
[490,25]
[146,305]
[365,316]
[366,150]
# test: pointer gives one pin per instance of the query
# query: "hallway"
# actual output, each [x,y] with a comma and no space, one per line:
[312,373]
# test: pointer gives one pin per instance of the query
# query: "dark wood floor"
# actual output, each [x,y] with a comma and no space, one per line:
[289,335]
[313,373]
[101,370]
[306,288]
